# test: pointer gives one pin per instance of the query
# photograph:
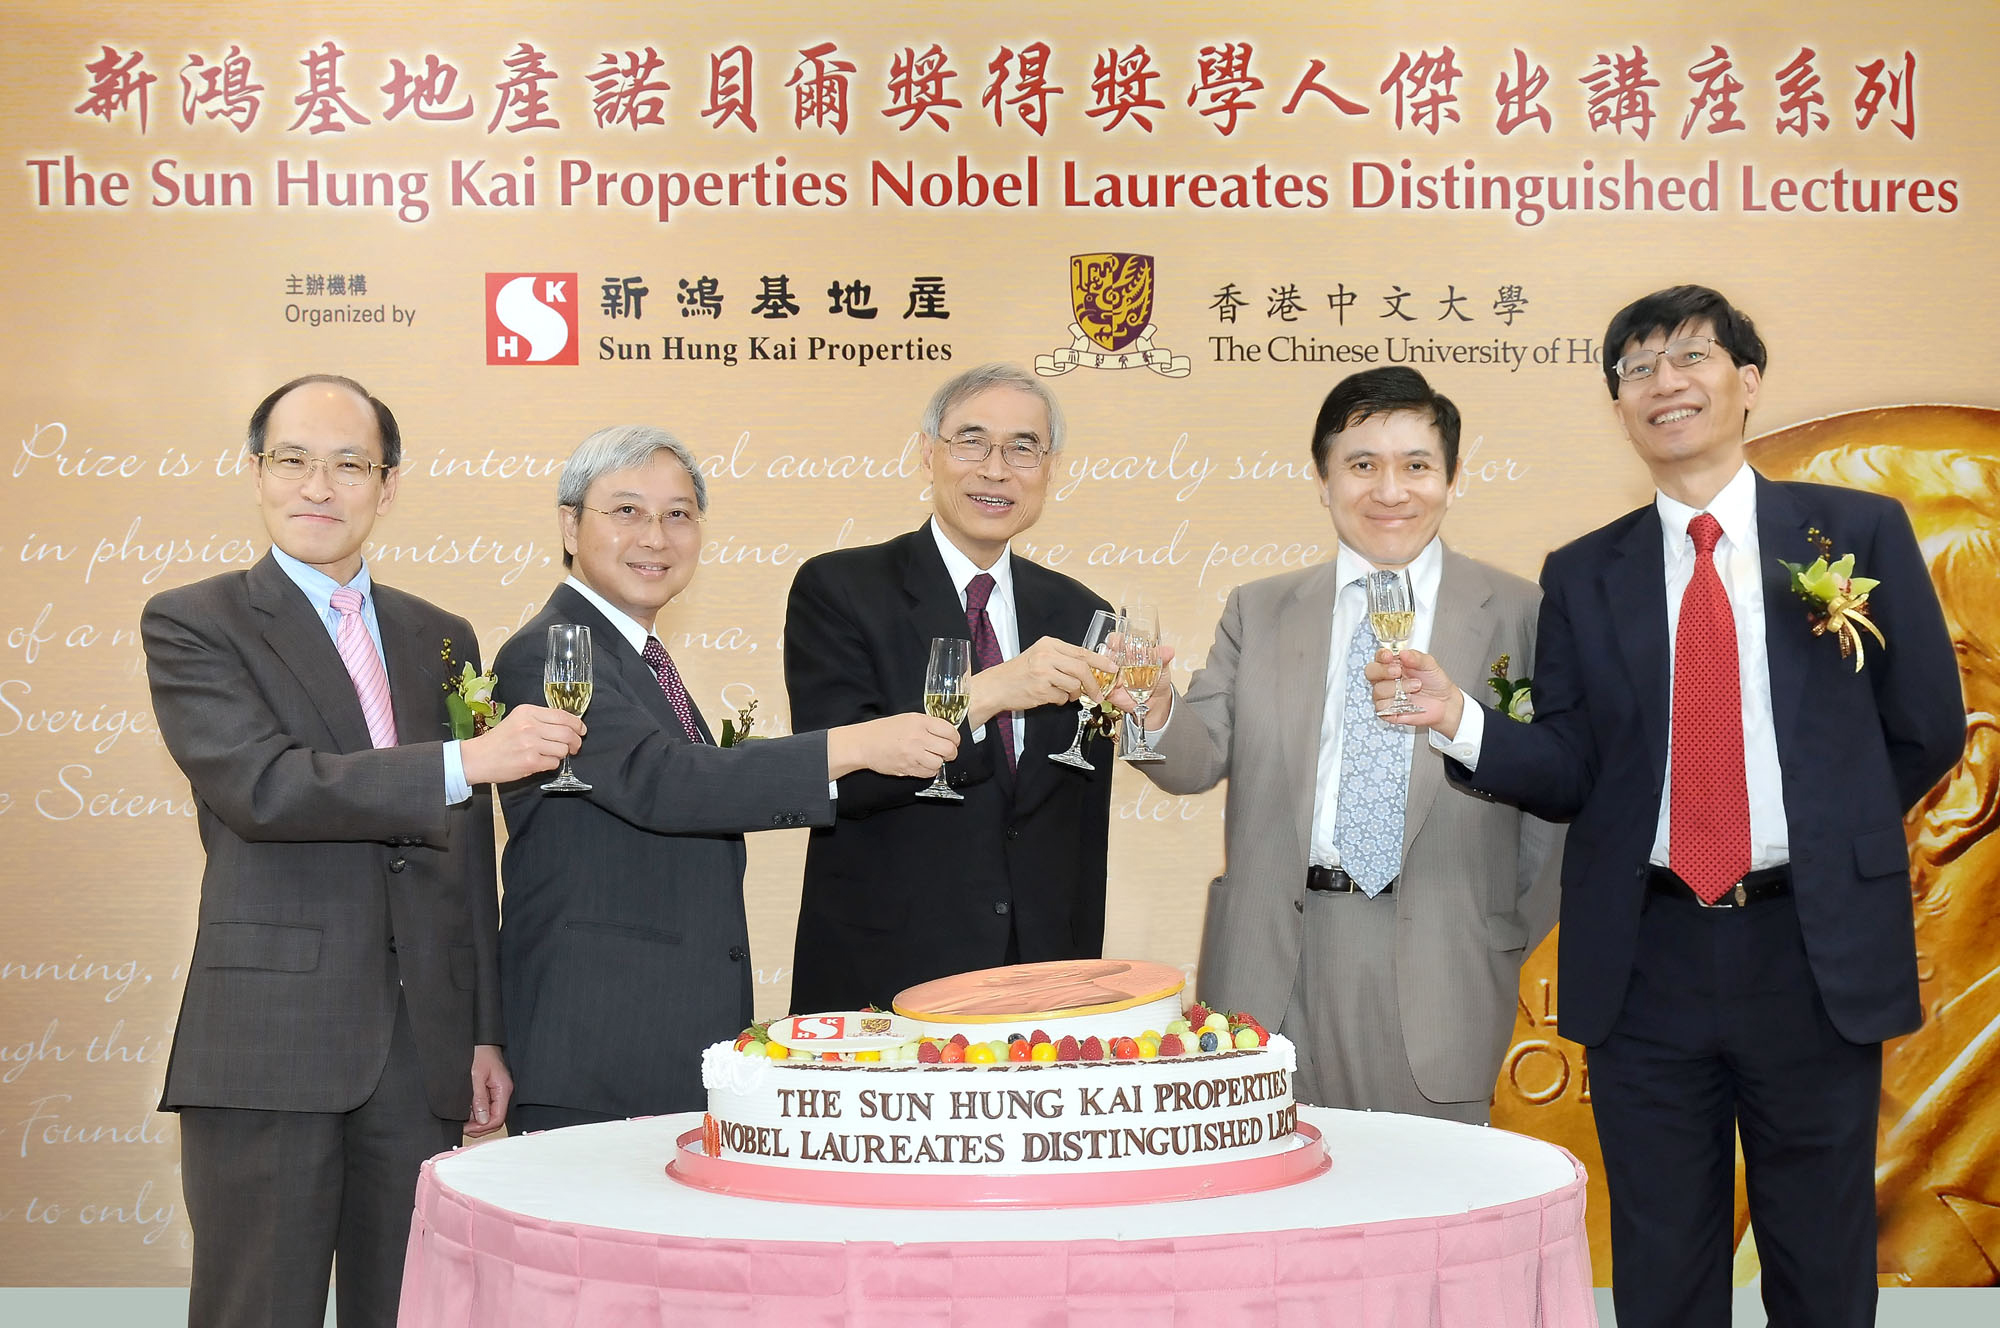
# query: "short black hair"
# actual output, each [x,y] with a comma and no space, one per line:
[1383,392]
[385,419]
[1666,310]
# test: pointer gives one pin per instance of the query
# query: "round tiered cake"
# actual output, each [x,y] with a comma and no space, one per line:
[1071,1069]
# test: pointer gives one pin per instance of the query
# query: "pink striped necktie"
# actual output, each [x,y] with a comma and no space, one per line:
[364,665]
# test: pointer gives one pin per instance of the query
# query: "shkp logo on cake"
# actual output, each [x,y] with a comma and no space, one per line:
[531,318]
[1112,298]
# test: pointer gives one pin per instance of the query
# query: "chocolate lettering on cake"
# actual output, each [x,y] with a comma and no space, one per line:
[1114,1143]
[973,1150]
[817,1103]
[757,1140]
[1207,1094]
[1006,1104]
[894,1106]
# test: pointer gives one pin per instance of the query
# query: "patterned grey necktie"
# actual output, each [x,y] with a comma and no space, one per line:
[1374,776]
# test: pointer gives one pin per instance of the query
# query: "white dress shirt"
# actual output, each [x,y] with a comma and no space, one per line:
[1350,608]
[999,609]
[636,633]
[1738,563]
[318,587]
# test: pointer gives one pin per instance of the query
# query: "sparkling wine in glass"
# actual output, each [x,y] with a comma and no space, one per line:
[1392,613]
[1139,669]
[566,686]
[1096,637]
[947,693]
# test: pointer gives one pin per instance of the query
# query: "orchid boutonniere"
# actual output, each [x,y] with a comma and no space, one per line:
[1836,599]
[468,698]
[738,730]
[1517,695]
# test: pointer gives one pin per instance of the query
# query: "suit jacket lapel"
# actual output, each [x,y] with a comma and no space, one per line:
[298,637]
[612,656]
[1458,630]
[1304,653]
[1781,536]
[416,670]
[1635,588]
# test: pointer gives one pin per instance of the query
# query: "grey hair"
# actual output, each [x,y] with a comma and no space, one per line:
[623,447]
[974,381]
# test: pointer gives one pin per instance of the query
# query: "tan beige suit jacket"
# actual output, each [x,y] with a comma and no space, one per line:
[1478,882]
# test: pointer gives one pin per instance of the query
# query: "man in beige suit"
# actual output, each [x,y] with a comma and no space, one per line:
[1379,915]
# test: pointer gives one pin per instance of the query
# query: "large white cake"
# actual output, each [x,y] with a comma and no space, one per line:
[814,1095]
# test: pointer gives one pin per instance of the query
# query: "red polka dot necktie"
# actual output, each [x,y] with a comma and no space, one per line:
[986,650]
[663,668]
[1708,827]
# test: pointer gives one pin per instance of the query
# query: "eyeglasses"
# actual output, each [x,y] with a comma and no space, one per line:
[345,469]
[1019,453]
[629,516]
[1683,354]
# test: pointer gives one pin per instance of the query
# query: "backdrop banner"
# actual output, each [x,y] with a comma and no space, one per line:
[774,230]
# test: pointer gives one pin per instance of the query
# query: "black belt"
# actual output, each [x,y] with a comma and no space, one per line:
[1334,881]
[1755,887]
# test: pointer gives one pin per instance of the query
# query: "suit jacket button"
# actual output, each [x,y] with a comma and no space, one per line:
[1002,907]
[738,953]
[1013,832]
[397,864]
[1299,905]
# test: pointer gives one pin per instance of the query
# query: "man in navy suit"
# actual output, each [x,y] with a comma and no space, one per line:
[1736,918]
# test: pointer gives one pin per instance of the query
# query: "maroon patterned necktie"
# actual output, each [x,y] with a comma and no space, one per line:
[670,683]
[1708,816]
[986,650]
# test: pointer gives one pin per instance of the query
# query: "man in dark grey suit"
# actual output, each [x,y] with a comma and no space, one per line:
[626,950]
[342,1006]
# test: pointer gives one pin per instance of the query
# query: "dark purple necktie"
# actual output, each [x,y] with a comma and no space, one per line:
[670,683]
[986,650]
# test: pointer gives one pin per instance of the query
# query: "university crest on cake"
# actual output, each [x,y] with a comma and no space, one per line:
[1112,298]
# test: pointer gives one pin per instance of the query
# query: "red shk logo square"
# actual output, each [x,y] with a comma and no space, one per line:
[531,318]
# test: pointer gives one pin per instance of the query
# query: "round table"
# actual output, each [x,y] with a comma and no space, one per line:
[1417,1222]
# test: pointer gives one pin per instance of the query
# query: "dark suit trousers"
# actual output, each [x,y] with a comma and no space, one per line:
[1723,1031]
[272,1196]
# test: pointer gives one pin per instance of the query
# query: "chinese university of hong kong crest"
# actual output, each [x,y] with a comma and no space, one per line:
[1112,297]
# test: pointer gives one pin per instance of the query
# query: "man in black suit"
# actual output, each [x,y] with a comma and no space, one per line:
[901,889]
[1736,917]
[342,1014]
[625,949]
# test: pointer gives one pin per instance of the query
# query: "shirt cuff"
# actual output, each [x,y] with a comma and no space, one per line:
[1464,748]
[833,790]
[456,790]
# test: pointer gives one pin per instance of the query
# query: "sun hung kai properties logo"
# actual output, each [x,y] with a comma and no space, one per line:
[1112,297]
[531,318]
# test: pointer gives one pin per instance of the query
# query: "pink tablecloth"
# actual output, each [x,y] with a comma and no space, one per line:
[582,1229]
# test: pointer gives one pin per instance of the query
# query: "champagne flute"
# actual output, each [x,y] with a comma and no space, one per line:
[1392,613]
[1139,668]
[947,693]
[566,686]
[1096,637]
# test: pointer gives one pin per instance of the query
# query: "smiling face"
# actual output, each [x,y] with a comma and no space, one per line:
[321,523]
[637,567]
[980,505]
[1688,421]
[1386,487]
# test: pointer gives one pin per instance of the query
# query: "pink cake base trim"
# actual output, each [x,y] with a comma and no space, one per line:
[851,1189]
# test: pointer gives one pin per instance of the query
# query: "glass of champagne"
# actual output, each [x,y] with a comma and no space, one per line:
[1392,613]
[566,686]
[947,693]
[1099,636]
[1139,668]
